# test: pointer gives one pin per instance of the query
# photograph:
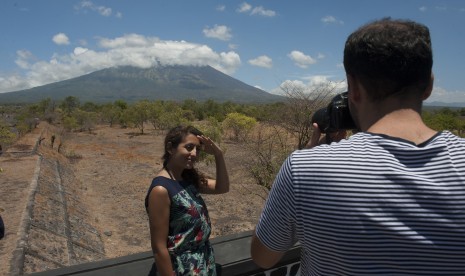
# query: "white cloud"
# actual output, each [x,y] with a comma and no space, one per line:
[440,94]
[79,50]
[61,39]
[86,5]
[132,49]
[221,8]
[220,32]
[312,84]
[300,59]
[104,11]
[22,59]
[262,61]
[260,10]
[423,9]
[263,12]
[244,7]
[331,20]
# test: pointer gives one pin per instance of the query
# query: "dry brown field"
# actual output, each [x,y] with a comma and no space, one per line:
[108,172]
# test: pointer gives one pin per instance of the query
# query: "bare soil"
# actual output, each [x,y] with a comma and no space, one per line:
[113,169]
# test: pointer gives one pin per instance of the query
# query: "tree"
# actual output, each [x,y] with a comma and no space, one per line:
[110,114]
[6,135]
[296,116]
[213,109]
[85,120]
[70,123]
[69,104]
[239,124]
[442,119]
[462,111]
[268,149]
[138,114]
[172,115]
[154,113]
[90,107]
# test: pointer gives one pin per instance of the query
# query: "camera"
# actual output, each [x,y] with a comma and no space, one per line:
[336,116]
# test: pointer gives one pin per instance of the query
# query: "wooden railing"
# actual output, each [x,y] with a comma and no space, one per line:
[232,254]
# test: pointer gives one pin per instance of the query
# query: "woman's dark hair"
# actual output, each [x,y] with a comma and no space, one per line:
[172,140]
[390,57]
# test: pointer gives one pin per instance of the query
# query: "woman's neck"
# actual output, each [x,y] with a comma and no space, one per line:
[174,174]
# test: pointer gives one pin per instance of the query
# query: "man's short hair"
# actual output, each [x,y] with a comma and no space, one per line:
[390,57]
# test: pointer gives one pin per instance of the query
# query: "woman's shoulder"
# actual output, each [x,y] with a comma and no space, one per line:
[162,181]
[172,186]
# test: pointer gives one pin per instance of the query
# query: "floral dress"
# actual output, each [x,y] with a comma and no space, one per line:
[189,228]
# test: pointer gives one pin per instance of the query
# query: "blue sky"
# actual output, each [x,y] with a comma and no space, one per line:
[267,43]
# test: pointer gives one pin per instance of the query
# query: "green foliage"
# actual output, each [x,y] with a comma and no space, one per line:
[155,111]
[70,123]
[110,114]
[444,119]
[85,120]
[25,121]
[90,107]
[239,124]
[138,114]
[6,135]
[195,108]
[170,119]
[462,112]
[213,109]
[69,104]
[122,105]
[213,129]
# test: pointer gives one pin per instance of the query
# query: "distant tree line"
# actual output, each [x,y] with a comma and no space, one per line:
[269,131]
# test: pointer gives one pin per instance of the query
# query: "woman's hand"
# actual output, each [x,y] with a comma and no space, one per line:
[221,183]
[209,146]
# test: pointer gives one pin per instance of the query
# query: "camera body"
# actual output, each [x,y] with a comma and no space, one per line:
[336,116]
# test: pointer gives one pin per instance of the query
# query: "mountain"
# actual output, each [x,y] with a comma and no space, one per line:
[441,104]
[132,84]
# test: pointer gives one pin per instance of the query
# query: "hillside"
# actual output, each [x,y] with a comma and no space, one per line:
[132,84]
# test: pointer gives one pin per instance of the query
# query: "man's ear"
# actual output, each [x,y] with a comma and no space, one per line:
[428,89]
[353,88]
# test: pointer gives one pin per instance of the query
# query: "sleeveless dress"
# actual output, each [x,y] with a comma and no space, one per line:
[189,228]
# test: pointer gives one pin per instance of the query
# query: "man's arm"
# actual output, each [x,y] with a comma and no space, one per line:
[262,255]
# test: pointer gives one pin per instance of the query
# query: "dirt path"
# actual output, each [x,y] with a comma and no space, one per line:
[18,165]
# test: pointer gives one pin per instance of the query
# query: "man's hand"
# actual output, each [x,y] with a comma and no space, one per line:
[317,140]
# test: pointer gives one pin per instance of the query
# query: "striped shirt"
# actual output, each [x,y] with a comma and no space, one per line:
[371,205]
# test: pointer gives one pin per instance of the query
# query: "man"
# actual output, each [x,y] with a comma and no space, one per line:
[389,200]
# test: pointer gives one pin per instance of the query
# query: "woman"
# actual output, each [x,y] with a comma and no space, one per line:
[179,222]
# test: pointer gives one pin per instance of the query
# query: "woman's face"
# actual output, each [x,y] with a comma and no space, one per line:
[185,154]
